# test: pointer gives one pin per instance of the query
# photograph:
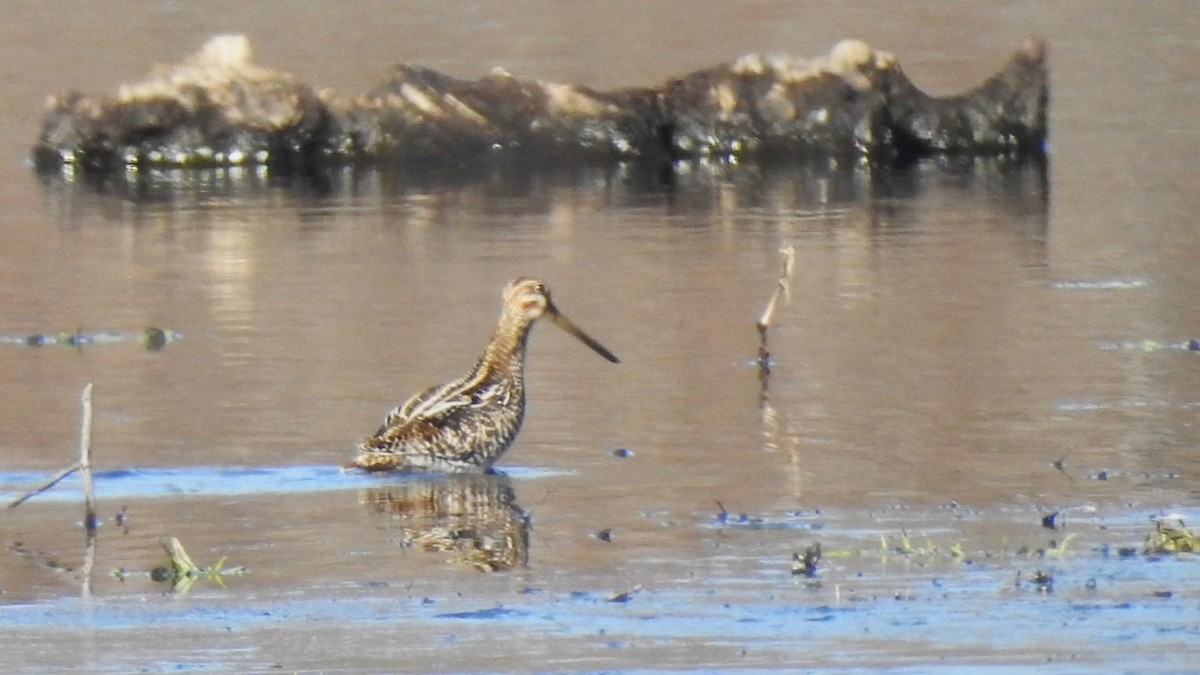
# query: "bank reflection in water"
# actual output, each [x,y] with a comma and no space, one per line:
[706,186]
[473,517]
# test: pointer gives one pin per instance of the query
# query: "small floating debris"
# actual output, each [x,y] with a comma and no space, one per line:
[622,453]
[1043,581]
[121,519]
[1099,284]
[1114,474]
[790,520]
[727,518]
[1150,345]
[1050,521]
[625,596]
[152,338]
[806,563]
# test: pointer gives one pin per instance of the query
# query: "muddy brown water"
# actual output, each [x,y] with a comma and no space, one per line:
[967,349]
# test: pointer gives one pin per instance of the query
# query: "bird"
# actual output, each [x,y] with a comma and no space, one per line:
[465,426]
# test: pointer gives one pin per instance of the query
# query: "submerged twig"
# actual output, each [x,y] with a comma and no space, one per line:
[46,486]
[83,466]
[782,291]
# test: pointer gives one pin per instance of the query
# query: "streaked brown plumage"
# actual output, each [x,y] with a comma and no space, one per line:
[467,424]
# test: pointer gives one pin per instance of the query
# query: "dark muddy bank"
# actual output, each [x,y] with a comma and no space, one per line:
[218,108]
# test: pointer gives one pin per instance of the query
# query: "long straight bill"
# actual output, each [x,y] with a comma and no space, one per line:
[564,323]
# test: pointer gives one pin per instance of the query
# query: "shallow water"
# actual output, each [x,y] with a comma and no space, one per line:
[969,347]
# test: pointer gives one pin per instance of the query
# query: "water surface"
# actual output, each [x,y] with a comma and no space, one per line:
[969,346]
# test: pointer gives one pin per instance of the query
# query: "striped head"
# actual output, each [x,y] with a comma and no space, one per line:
[527,300]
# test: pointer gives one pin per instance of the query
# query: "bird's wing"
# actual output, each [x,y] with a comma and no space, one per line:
[410,408]
[440,407]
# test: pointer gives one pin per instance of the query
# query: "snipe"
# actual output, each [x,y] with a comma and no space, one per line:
[466,425]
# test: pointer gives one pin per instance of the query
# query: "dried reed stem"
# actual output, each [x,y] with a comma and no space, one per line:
[49,484]
[85,462]
[782,292]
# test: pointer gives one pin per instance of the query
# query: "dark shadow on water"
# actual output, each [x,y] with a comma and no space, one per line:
[475,518]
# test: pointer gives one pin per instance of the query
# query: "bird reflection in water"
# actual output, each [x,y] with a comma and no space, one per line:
[473,516]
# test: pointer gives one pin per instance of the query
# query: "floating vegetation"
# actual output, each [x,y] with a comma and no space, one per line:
[152,338]
[182,573]
[1170,536]
[903,545]
[1056,549]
